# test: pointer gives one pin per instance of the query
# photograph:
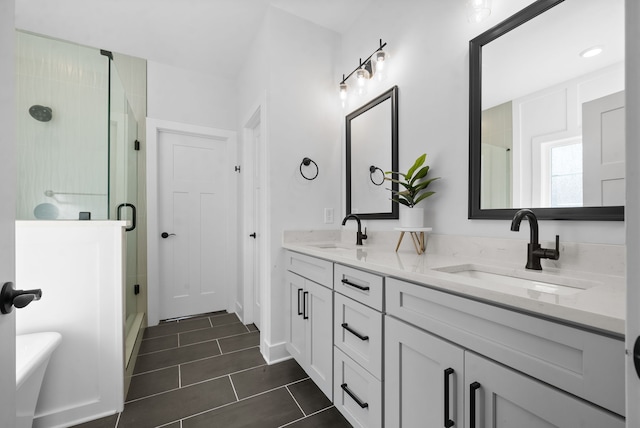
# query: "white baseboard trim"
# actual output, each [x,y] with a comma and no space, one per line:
[240,312]
[275,353]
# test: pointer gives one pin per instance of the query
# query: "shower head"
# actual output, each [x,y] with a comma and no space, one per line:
[40,113]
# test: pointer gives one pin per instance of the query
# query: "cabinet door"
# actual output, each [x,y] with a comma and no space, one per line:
[295,323]
[318,309]
[423,377]
[500,397]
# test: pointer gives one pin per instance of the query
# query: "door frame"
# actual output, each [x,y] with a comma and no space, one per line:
[154,128]
[8,191]
[256,117]
[632,208]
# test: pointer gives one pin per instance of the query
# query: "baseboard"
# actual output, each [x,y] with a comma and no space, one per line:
[274,353]
[240,312]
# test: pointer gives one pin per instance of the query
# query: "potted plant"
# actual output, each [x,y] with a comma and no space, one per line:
[413,190]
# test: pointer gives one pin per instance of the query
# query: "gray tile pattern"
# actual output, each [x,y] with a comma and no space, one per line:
[207,371]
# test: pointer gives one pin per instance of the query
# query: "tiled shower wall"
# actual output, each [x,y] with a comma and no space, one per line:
[68,154]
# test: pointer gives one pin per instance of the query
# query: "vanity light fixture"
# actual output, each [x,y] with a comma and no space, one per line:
[478,10]
[370,67]
[591,52]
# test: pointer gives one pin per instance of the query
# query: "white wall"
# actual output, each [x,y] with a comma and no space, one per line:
[428,43]
[302,121]
[192,97]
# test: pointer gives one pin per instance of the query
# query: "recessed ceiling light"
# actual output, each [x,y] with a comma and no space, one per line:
[592,51]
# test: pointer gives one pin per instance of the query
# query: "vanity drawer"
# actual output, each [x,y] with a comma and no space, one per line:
[583,363]
[358,333]
[316,270]
[364,287]
[356,393]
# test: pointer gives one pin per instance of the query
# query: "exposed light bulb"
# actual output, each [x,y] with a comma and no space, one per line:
[378,64]
[362,75]
[343,91]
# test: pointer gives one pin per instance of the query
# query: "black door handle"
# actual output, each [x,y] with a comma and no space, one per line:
[636,356]
[253,235]
[355,398]
[355,333]
[299,311]
[359,287]
[133,213]
[472,403]
[10,297]
[448,423]
[165,235]
[305,315]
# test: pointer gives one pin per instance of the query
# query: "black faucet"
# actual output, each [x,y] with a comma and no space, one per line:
[359,235]
[534,250]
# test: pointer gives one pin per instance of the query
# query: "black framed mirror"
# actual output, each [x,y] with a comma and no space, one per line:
[372,149]
[521,71]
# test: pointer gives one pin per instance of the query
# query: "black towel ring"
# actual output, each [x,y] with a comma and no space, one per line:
[307,162]
[373,169]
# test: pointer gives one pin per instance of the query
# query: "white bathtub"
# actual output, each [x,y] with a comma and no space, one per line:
[32,356]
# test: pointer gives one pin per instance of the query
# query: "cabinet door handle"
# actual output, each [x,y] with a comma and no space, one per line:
[448,423]
[359,402]
[359,287]
[304,305]
[299,311]
[472,403]
[355,333]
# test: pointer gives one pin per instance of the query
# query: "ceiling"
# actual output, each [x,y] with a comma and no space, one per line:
[206,35]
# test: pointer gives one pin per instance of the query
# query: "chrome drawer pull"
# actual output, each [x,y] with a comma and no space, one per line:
[355,333]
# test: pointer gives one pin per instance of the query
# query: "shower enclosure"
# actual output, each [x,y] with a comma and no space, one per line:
[78,147]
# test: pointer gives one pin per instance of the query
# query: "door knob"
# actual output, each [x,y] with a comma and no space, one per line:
[10,297]
[253,235]
[165,235]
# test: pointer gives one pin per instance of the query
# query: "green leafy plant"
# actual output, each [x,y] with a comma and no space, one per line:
[414,182]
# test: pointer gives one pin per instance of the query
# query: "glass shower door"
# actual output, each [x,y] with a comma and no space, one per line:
[123,129]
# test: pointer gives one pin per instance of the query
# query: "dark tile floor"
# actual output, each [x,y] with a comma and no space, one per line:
[207,371]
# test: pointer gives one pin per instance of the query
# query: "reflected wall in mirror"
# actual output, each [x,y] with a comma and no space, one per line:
[372,149]
[546,119]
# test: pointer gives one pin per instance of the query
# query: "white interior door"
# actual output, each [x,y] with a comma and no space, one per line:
[257,197]
[7,211]
[603,140]
[194,202]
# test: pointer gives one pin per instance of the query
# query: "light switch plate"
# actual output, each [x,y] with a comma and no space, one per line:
[328,215]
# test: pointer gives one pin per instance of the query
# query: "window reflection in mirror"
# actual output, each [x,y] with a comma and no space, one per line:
[550,121]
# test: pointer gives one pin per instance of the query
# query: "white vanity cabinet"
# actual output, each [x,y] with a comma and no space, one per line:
[309,325]
[423,378]
[496,396]
[508,368]
[358,352]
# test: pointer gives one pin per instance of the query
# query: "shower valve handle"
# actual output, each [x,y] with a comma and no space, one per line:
[10,297]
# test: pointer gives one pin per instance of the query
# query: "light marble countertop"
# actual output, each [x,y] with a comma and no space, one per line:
[599,307]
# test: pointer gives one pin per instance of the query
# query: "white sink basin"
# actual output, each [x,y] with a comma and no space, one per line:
[539,281]
[332,246]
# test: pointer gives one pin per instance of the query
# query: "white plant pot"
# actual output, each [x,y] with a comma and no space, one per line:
[412,217]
